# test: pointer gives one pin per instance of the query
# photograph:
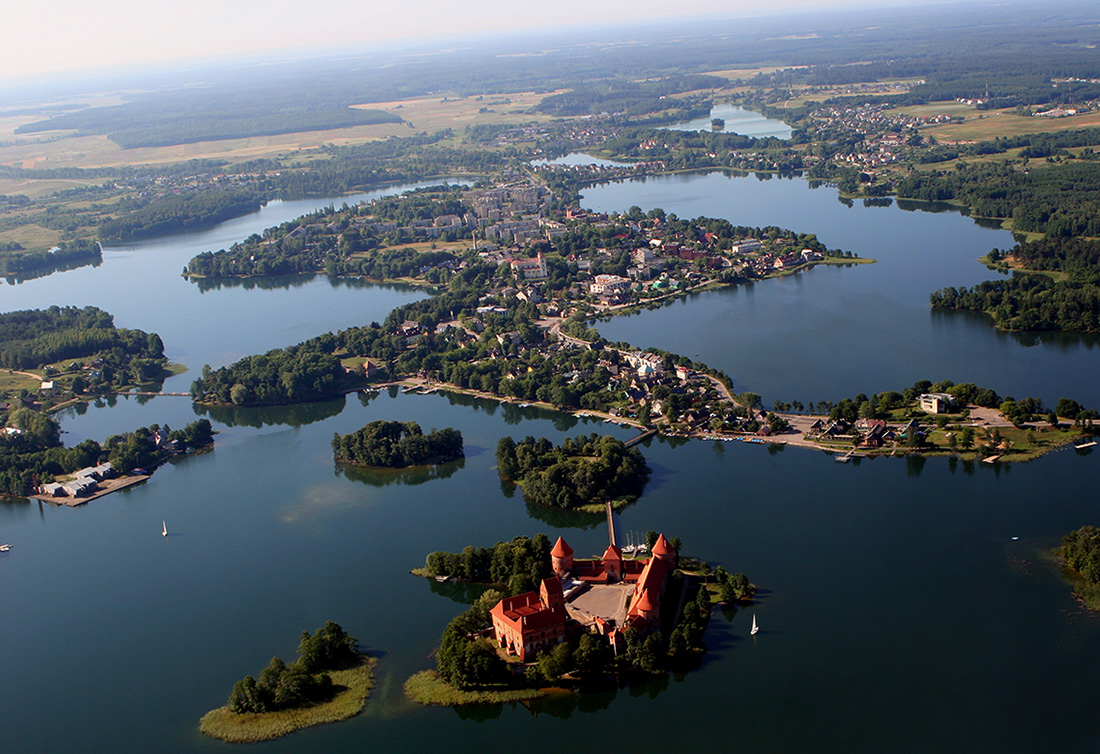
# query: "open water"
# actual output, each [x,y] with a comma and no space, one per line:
[898,611]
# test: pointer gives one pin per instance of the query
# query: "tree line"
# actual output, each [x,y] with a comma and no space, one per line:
[15,260]
[518,565]
[30,338]
[181,212]
[1028,302]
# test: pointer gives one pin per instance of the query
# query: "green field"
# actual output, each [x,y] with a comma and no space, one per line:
[989,124]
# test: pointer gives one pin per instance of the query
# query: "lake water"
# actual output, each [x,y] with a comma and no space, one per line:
[580,158]
[738,121]
[897,611]
[833,332]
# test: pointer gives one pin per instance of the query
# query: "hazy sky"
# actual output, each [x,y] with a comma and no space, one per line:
[50,36]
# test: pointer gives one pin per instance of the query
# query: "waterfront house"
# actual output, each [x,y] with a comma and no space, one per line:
[936,403]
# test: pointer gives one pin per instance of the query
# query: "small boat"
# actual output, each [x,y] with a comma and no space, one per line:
[163,529]
[755,628]
[5,548]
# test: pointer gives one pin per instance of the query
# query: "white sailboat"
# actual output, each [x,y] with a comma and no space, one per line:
[755,628]
[163,529]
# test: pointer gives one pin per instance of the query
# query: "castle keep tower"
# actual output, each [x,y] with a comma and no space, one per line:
[561,558]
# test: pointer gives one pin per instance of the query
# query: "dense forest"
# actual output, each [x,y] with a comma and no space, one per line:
[35,451]
[1029,302]
[32,337]
[1060,200]
[397,444]
[579,472]
[179,213]
[297,374]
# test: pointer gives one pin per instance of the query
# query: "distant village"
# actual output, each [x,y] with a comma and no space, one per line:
[569,265]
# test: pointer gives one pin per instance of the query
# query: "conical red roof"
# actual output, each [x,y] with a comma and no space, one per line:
[645,604]
[561,549]
[662,547]
[612,553]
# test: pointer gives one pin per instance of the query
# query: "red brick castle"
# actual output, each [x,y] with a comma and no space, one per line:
[607,596]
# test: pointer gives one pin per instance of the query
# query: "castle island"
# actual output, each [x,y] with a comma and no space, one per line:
[605,596]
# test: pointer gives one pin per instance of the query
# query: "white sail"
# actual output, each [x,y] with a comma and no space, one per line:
[755,628]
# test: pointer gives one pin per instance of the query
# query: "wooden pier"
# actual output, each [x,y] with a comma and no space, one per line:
[610,524]
[640,438]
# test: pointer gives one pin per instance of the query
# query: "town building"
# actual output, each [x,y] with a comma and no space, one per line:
[531,269]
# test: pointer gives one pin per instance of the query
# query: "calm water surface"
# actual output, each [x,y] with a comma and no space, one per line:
[738,121]
[834,331]
[898,613]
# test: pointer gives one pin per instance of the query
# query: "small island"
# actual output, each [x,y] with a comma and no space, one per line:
[582,473]
[1080,553]
[396,445]
[569,622]
[330,681]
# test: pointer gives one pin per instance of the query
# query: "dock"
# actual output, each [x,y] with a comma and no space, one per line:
[107,487]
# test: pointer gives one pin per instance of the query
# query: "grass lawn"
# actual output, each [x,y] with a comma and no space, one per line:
[354,686]
[12,381]
[457,247]
[426,687]
[32,237]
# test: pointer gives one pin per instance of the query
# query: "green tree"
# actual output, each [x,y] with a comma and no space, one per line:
[556,662]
